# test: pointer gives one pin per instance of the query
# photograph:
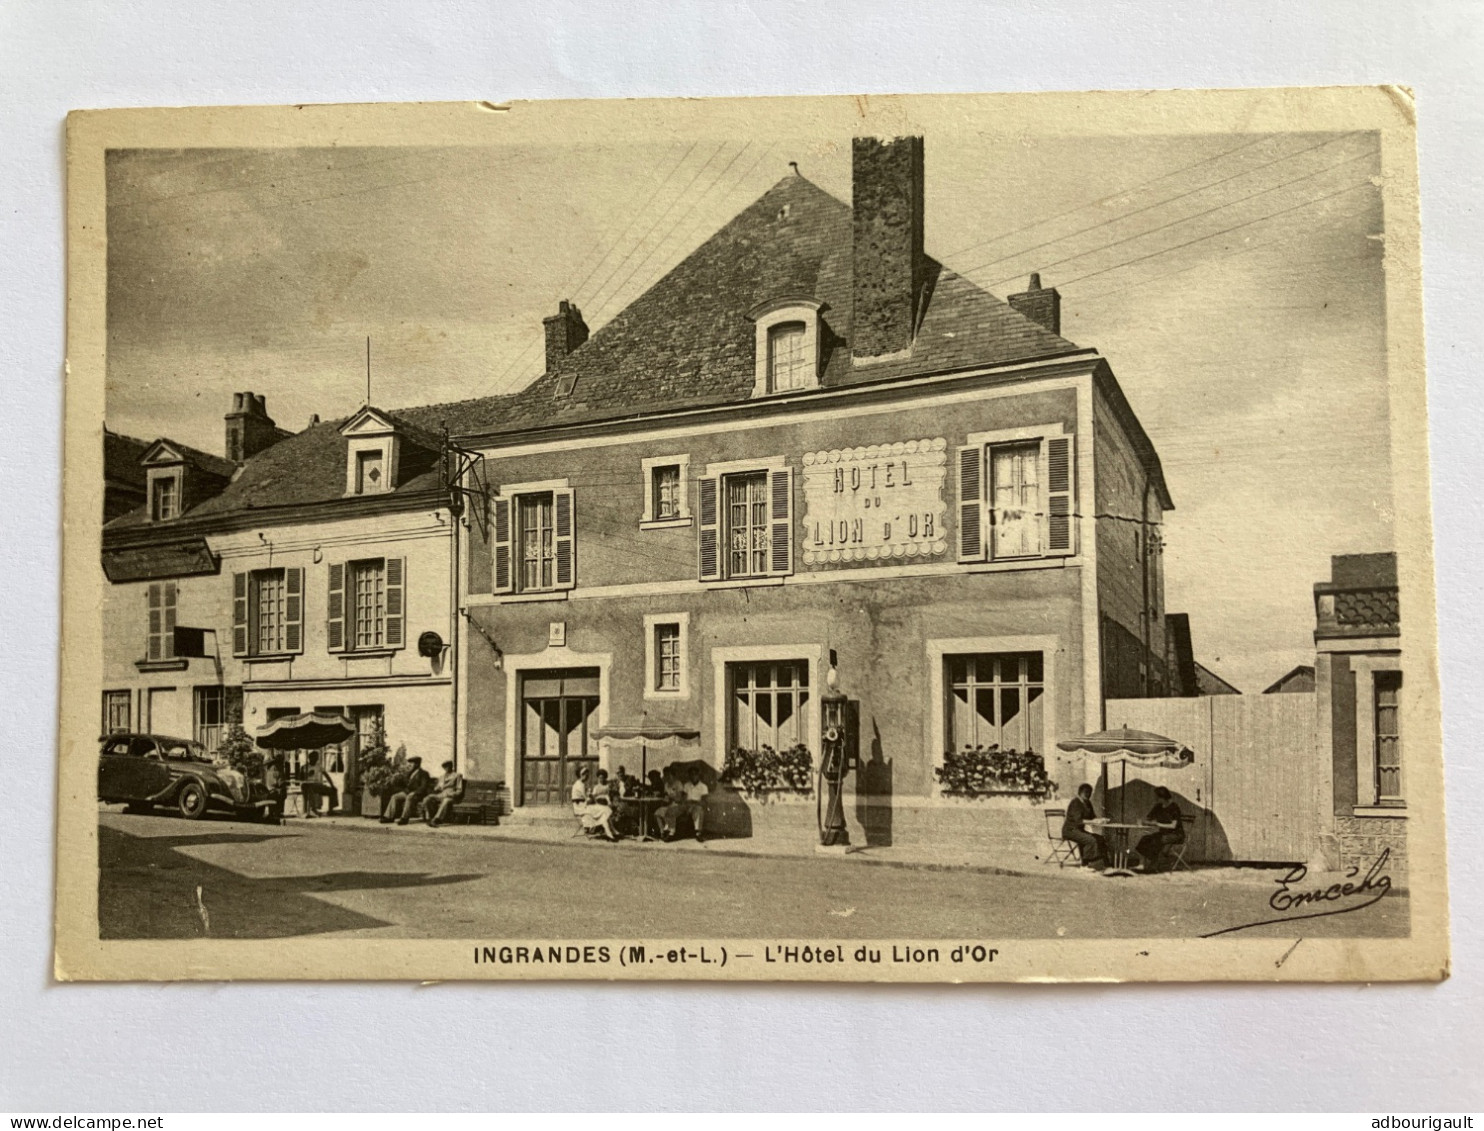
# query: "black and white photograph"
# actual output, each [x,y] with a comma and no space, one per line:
[898,539]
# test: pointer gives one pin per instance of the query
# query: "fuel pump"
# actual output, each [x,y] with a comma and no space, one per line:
[835,761]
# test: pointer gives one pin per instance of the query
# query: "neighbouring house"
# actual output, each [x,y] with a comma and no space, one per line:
[1358,677]
[1300,678]
[810,440]
[308,571]
[1187,676]
[124,477]
[1208,682]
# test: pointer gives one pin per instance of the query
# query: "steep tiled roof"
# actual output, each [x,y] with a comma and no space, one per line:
[687,340]
[121,456]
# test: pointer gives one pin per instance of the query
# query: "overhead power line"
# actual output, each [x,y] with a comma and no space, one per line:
[1157,204]
[1196,215]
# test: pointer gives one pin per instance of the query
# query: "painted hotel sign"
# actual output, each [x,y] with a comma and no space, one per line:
[880,502]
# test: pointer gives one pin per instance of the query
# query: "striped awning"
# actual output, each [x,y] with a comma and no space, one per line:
[1139,747]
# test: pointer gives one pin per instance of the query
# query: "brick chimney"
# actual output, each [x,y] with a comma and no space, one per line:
[886,200]
[565,331]
[250,429]
[1041,305]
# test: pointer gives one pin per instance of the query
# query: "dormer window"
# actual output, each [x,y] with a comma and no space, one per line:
[165,501]
[787,366]
[370,471]
[788,356]
[373,442]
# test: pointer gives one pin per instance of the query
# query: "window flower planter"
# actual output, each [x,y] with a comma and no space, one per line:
[978,773]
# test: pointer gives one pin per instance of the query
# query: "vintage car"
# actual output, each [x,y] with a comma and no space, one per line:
[148,770]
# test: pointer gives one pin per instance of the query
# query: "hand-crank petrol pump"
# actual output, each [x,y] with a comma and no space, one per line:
[835,761]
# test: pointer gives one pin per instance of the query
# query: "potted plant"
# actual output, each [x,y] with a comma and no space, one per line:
[766,774]
[375,770]
[988,771]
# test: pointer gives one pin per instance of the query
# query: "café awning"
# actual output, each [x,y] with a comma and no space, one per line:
[308,731]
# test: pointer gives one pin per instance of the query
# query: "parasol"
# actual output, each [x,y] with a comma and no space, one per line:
[308,731]
[1141,747]
[644,735]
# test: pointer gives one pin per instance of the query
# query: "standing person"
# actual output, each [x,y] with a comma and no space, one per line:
[404,802]
[446,794]
[317,784]
[1166,816]
[1093,848]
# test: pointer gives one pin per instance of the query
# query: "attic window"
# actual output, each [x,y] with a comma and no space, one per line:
[165,502]
[370,472]
[787,345]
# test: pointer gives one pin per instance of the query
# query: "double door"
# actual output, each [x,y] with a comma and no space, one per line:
[559,710]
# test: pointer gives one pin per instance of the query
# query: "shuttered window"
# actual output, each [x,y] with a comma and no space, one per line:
[745,526]
[534,541]
[268,612]
[367,605]
[1015,500]
[1388,738]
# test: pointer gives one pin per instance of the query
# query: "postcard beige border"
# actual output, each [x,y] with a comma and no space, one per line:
[79,955]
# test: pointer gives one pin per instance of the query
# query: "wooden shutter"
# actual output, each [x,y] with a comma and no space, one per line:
[781,525]
[335,620]
[1060,525]
[293,610]
[396,603]
[564,541]
[167,636]
[709,528]
[971,503]
[154,598]
[239,614]
[500,547]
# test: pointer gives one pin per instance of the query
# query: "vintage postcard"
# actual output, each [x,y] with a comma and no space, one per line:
[974,538]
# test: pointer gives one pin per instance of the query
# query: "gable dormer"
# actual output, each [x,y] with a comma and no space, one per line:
[178,477]
[372,452]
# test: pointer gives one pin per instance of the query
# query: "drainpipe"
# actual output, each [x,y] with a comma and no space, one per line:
[454,522]
[1146,616]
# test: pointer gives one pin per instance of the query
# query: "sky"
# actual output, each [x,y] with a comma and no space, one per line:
[1234,282]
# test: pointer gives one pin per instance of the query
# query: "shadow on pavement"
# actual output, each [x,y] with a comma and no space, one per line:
[148,890]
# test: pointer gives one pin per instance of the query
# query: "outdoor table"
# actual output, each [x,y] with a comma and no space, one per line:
[647,807]
[1119,835]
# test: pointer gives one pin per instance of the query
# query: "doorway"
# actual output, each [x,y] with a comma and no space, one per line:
[558,710]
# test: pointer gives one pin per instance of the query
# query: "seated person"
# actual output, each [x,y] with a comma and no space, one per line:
[687,796]
[316,783]
[1166,815]
[404,802]
[591,808]
[446,794]
[1093,849]
[654,784]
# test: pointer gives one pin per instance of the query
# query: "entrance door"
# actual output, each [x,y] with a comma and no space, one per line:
[558,712]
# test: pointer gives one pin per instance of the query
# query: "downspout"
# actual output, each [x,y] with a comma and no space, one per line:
[454,522]
[1146,615]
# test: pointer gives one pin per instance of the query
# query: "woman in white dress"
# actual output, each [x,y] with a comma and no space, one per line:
[593,811]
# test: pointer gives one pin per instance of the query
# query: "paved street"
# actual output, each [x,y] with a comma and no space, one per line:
[260,881]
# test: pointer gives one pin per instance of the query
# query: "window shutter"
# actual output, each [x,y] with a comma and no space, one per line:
[293,610]
[971,503]
[1060,528]
[781,526]
[239,614]
[565,539]
[335,621]
[709,529]
[167,637]
[154,598]
[500,548]
[396,603]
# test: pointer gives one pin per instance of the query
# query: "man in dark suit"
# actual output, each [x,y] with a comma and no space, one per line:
[1093,848]
[404,803]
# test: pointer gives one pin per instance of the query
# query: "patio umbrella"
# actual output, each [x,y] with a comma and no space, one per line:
[1124,745]
[644,735]
[308,731]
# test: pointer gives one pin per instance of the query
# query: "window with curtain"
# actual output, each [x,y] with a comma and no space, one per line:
[767,704]
[995,699]
[788,366]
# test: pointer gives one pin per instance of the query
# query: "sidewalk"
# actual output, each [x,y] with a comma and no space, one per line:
[992,859]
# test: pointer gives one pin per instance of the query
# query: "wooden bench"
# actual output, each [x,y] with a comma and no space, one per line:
[481,804]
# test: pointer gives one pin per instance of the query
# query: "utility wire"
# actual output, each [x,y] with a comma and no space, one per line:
[1157,204]
[1198,215]
[1111,197]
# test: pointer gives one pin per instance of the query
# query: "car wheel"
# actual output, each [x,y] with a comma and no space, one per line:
[191,800]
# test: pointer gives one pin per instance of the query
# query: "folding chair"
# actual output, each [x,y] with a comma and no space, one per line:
[1063,852]
[1177,851]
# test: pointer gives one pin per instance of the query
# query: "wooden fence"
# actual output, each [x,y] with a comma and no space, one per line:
[1253,782]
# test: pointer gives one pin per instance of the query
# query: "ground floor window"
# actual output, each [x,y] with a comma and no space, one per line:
[766,703]
[115,712]
[211,716]
[995,699]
